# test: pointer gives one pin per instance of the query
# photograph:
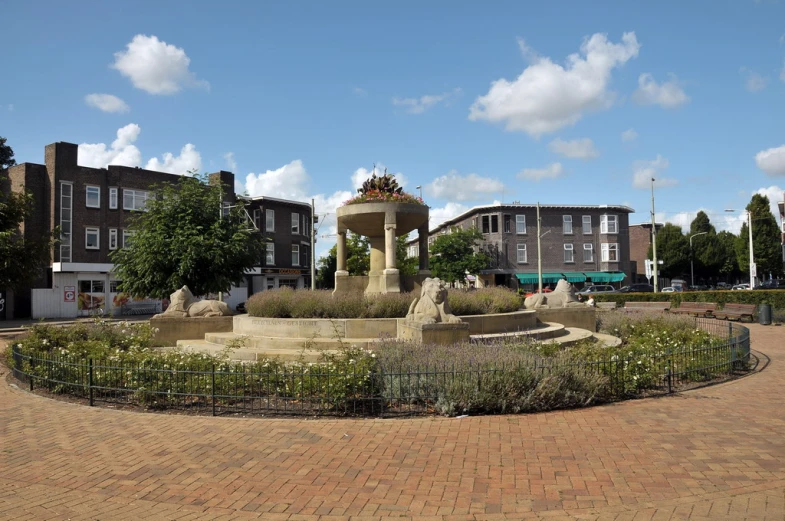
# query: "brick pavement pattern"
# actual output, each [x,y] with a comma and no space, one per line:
[709,454]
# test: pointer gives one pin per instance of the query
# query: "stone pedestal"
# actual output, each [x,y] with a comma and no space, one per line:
[441,334]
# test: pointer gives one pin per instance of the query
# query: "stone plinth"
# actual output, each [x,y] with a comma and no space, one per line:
[442,333]
[172,329]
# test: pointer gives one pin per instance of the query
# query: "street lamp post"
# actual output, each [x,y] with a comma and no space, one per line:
[692,271]
[419,187]
[752,258]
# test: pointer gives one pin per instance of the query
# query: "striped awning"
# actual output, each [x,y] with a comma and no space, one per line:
[605,276]
[532,278]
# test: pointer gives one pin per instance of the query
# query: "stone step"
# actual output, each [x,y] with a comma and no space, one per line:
[608,340]
[252,354]
[573,335]
[543,331]
[271,342]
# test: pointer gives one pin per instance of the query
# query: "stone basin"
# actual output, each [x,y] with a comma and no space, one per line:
[368,219]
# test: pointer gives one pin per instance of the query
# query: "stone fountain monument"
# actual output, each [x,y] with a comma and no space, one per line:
[381,212]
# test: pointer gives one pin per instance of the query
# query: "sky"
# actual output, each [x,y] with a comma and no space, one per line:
[563,102]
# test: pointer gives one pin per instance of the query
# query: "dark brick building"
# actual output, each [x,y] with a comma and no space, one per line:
[584,243]
[92,207]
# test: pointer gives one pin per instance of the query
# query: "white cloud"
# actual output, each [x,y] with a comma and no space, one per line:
[121,152]
[575,149]
[155,66]
[463,187]
[231,164]
[753,81]
[362,174]
[668,94]
[359,91]
[548,96]
[552,171]
[771,160]
[645,170]
[438,215]
[529,54]
[775,195]
[188,160]
[287,182]
[629,135]
[107,103]
[423,103]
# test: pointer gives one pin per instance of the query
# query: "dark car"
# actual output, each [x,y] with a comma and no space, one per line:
[637,288]
[771,284]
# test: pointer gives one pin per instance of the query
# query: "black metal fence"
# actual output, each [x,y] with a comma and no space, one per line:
[230,388]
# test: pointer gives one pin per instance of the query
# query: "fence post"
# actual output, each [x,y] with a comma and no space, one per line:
[32,372]
[90,380]
[212,388]
[670,380]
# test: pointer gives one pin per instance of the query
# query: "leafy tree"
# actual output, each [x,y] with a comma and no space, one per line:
[673,250]
[453,255]
[182,239]
[407,265]
[706,249]
[21,258]
[767,252]
[6,155]
[727,261]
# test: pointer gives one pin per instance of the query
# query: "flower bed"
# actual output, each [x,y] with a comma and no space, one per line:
[656,355]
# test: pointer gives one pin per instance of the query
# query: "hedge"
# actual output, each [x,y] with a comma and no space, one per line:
[774,297]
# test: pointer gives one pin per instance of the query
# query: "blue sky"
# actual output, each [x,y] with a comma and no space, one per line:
[566,102]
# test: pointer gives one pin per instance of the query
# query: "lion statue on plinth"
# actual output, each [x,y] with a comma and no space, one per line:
[431,306]
[562,297]
[184,304]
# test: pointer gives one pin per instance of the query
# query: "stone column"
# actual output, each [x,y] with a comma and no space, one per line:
[341,251]
[389,246]
[341,274]
[423,244]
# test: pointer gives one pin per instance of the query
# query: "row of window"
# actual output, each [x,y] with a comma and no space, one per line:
[609,253]
[132,199]
[490,224]
[299,221]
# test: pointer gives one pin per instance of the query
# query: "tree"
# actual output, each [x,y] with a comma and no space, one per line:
[182,239]
[767,252]
[407,265]
[728,264]
[6,155]
[453,255]
[672,250]
[706,251]
[358,260]
[22,258]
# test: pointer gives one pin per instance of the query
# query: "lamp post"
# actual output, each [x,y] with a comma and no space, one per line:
[692,271]
[419,187]
[752,258]
[655,264]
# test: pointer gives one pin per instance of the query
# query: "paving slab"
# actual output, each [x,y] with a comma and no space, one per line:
[707,454]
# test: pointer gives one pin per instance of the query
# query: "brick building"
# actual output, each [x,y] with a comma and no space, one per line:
[585,244]
[92,207]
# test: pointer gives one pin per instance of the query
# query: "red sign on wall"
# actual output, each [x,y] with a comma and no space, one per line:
[69,294]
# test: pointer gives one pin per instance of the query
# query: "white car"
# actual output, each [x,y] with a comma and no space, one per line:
[669,289]
[741,286]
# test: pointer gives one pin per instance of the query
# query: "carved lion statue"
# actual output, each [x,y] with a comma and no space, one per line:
[184,304]
[562,297]
[431,306]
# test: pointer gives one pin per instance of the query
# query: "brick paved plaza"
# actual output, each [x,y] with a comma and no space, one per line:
[710,454]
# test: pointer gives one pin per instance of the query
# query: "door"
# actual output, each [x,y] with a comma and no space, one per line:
[92,298]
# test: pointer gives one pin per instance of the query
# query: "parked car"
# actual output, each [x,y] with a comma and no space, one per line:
[597,288]
[772,284]
[724,285]
[241,307]
[637,288]
[670,289]
[741,286]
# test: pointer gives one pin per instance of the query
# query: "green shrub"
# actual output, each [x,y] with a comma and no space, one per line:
[721,297]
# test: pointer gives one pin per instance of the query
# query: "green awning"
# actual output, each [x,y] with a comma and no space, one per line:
[574,276]
[605,276]
[532,278]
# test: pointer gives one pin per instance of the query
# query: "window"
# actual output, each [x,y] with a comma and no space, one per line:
[113,198]
[134,199]
[115,286]
[305,225]
[567,224]
[91,286]
[610,252]
[522,254]
[520,224]
[295,254]
[269,254]
[587,225]
[507,224]
[305,257]
[127,235]
[609,224]
[269,223]
[92,238]
[257,218]
[588,253]
[93,196]
[494,224]
[569,253]
[66,208]
[486,224]
[112,238]
[295,223]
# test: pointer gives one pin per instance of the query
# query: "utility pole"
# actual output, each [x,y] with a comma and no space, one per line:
[753,268]
[313,254]
[655,265]
[539,252]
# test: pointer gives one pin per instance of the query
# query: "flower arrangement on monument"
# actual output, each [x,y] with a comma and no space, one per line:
[382,189]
